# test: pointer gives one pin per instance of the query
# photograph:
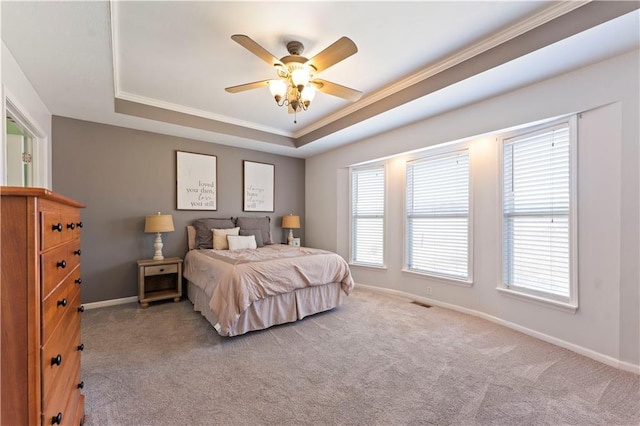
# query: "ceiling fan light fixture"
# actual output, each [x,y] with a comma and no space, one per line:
[296,84]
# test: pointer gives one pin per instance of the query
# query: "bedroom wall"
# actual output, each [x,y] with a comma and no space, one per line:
[607,324]
[123,174]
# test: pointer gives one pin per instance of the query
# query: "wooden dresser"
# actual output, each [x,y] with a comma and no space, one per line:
[40,342]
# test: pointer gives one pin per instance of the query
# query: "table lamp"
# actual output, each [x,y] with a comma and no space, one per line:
[292,222]
[158,223]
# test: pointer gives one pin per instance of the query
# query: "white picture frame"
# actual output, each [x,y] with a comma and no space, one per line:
[196,181]
[258,189]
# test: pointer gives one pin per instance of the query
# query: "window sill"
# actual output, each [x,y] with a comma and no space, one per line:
[549,303]
[446,280]
[364,265]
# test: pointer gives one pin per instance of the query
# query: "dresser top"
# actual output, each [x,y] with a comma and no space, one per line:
[19,191]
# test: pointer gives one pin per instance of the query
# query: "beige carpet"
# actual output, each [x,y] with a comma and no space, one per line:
[376,360]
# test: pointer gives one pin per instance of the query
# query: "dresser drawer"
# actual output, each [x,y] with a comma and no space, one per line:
[63,343]
[63,400]
[58,224]
[160,270]
[56,264]
[64,300]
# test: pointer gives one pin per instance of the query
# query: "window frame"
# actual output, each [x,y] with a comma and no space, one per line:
[567,304]
[352,261]
[447,151]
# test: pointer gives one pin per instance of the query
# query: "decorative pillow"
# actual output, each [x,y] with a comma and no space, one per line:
[204,238]
[241,242]
[256,233]
[261,223]
[220,237]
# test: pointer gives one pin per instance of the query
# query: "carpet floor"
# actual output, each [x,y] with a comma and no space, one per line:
[376,360]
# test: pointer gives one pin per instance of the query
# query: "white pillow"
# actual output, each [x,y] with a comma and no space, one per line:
[220,237]
[241,242]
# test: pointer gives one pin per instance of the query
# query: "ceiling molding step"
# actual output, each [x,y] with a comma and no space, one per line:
[120,94]
[542,17]
[573,22]
[198,113]
[143,110]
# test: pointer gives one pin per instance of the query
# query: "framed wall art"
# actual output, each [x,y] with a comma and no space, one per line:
[197,187]
[258,187]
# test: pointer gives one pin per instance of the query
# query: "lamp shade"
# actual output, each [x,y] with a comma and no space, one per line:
[158,223]
[291,221]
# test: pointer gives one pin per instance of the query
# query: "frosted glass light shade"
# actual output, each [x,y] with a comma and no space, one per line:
[300,77]
[308,94]
[278,88]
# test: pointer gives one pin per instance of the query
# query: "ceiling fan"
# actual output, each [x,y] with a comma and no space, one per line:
[296,84]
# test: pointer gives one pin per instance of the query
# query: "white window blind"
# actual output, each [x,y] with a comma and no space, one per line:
[367,209]
[536,204]
[438,215]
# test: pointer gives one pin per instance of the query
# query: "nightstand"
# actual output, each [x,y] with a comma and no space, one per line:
[159,280]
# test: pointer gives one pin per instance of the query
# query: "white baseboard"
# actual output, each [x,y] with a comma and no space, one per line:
[112,302]
[605,359]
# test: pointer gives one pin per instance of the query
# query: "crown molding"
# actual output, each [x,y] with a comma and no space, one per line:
[554,11]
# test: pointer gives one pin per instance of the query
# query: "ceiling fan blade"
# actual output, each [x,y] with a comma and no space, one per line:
[256,49]
[337,90]
[247,86]
[341,49]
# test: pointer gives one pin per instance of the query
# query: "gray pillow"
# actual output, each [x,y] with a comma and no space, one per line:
[256,233]
[261,223]
[204,236]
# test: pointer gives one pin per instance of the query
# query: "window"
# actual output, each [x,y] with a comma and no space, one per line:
[367,215]
[537,202]
[438,215]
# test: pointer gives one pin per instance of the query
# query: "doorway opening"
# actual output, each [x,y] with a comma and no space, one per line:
[19,154]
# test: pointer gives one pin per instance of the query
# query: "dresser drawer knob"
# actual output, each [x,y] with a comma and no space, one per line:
[71,225]
[81,309]
[81,385]
[56,420]
[79,224]
[62,264]
[81,347]
[57,227]
[56,360]
[78,281]
[77,252]
[62,302]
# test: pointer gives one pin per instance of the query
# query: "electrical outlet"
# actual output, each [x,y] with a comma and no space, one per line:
[428,290]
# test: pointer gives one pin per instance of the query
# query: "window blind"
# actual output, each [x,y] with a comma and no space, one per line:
[536,203]
[367,209]
[438,215]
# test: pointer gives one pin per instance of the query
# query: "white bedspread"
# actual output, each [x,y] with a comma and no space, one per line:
[235,279]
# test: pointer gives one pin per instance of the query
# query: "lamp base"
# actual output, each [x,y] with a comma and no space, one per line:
[157,245]
[290,238]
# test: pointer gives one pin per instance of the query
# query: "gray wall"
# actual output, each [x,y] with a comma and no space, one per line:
[123,175]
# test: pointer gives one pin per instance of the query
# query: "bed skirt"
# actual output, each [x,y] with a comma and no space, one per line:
[264,313]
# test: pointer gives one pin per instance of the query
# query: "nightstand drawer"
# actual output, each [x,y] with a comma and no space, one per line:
[160,270]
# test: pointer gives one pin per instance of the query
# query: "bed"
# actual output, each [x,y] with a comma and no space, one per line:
[249,289]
